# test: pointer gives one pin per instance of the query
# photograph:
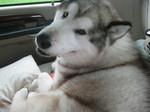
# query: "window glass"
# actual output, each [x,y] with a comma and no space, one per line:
[12,2]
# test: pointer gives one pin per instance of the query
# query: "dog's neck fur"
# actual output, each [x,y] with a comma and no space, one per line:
[112,57]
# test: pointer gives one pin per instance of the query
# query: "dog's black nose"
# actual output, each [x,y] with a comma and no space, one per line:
[43,41]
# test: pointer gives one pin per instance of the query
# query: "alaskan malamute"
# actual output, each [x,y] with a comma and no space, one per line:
[98,68]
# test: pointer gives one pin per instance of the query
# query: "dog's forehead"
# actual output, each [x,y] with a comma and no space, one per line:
[66,4]
[83,7]
[71,9]
[79,5]
[101,9]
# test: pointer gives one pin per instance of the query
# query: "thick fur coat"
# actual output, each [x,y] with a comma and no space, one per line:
[98,68]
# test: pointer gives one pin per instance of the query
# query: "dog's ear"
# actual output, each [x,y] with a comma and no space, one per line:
[117,29]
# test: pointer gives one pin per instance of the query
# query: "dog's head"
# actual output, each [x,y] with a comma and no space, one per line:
[81,29]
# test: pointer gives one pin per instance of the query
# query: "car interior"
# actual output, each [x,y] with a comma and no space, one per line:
[19,24]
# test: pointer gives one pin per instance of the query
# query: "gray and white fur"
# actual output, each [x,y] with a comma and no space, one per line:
[98,68]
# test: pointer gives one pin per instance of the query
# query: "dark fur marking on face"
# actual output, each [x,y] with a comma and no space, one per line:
[98,36]
[99,42]
[80,31]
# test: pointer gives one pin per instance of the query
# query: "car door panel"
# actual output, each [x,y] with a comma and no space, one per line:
[17,39]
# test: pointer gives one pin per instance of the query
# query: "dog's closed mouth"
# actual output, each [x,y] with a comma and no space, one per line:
[41,52]
[72,52]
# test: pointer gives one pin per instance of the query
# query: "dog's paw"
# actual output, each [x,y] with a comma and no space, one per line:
[44,82]
[19,101]
[33,86]
[32,94]
[44,77]
[22,94]
[53,66]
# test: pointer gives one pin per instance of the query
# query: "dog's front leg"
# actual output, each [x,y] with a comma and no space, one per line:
[53,101]
[44,83]
[19,101]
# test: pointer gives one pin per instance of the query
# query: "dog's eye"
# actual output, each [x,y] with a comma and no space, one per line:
[65,14]
[80,31]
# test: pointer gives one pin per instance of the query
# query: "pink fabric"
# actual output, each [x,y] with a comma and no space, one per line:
[51,74]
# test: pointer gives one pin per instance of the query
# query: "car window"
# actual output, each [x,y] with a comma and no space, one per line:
[14,2]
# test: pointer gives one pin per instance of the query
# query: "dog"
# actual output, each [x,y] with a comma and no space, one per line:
[98,68]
